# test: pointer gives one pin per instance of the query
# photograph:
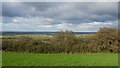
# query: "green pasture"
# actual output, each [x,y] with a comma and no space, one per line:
[41,36]
[29,59]
[0,58]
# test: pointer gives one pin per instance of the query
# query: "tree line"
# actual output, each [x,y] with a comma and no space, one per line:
[106,40]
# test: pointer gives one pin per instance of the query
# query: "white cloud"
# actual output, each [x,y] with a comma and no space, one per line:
[46,24]
[60,16]
[100,23]
[0,19]
[31,20]
[14,20]
[60,0]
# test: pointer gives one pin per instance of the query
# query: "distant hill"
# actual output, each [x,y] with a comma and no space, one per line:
[48,33]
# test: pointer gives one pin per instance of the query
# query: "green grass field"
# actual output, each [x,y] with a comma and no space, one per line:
[39,36]
[29,59]
[0,59]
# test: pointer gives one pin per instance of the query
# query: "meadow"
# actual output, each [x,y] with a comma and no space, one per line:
[40,36]
[30,59]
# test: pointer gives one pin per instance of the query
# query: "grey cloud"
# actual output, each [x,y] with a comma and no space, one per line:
[12,9]
[41,6]
[0,9]
[16,9]
[68,12]
[84,11]
[65,11]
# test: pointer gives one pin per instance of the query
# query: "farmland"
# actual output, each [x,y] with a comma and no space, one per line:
[40,36]
[30,59]
[0,59]
[61,49]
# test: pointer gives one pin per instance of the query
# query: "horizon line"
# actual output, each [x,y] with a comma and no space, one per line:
[46,31]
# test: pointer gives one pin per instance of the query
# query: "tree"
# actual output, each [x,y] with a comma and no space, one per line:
[63,41]
[107,39]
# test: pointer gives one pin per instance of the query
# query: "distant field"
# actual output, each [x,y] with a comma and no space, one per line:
[34,36]
[29,59]
[38,36]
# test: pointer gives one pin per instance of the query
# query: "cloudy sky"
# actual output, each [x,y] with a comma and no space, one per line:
[55,16]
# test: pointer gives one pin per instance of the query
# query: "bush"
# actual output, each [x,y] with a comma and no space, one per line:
[63,41]
[107,39]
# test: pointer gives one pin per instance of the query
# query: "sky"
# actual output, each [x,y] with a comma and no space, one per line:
[56,16]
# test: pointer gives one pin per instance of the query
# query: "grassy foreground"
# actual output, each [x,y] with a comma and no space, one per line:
[29,59]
